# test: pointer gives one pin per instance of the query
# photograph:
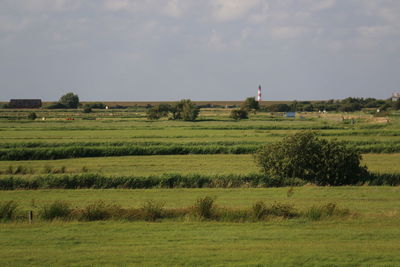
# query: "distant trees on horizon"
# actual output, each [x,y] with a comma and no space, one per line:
[183,110]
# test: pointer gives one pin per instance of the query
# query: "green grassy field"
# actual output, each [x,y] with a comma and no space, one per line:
[369,237]
[366,199]
[185,164]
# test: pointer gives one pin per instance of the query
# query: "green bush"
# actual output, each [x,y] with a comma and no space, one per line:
[55,210]
[305,156]
[250,104]
[259,210]
[153,113]
[282,210]
[184,110]
[69,100]
[316,213]
[8,210]
[152,210]
[204,207]
[239,114]
[96,211]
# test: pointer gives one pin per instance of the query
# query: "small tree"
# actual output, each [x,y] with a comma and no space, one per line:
[239,114]
[176,110]
[251,104]
[157,112]
[189,110]
[32,116]
[69,100]
[184,110]
[303,155]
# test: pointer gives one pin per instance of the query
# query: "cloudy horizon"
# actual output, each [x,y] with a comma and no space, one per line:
[164,50]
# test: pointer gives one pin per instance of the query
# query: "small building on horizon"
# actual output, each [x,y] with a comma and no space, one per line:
[395,96]
[25,103]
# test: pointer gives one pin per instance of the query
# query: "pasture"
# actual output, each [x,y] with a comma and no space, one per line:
[160,164]
[118,143]
[369,237]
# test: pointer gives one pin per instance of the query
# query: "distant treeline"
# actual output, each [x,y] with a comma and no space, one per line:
[349,104]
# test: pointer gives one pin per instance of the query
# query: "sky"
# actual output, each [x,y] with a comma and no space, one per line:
[166,50]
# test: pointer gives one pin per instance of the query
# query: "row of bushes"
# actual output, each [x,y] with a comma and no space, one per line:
[120,143]
[47,153]
[110,151]
[203,209]
[99,181]
[20,169]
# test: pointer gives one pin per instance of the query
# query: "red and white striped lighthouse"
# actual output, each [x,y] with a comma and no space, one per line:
[259,93]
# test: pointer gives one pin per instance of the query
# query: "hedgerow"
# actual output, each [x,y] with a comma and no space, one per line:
[47,153]
[203,209]
[100,181]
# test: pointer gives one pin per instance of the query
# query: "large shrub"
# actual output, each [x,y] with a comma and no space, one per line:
[184,110]
[303,155]
[69,100]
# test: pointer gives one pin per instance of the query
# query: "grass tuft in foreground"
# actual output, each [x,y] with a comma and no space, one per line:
[204,209]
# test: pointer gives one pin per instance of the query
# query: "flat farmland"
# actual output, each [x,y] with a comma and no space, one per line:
[369,237]
[118,143]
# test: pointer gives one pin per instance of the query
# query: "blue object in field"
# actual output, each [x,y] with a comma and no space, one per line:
[291,114]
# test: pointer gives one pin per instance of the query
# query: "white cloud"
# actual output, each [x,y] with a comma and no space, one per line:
[215,41]
[116,5]
[226,10]
[46,5]
[12,25]
[287,32]
[173,8]
[317,5]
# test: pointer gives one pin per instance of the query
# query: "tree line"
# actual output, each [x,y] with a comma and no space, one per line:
[349,104]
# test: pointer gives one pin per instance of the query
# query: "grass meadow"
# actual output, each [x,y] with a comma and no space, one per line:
[182,164]
[369,237]
[212,145]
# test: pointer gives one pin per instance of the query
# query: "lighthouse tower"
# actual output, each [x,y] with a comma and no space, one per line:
[259,94]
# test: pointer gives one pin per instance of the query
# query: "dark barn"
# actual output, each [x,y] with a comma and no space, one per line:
[25,103]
